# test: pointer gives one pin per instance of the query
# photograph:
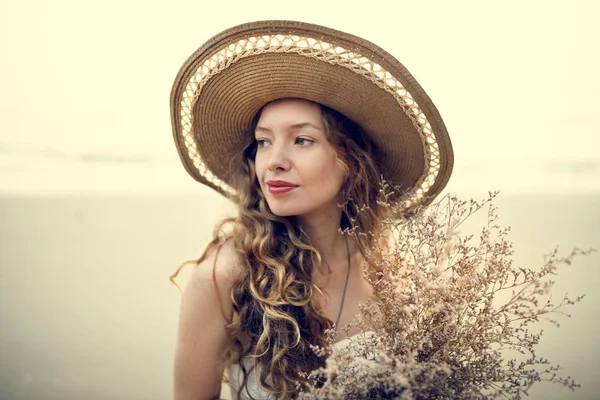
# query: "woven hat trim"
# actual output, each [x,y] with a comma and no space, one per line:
[324,52]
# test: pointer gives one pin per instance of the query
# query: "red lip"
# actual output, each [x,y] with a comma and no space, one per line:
[281,183]
[278,187]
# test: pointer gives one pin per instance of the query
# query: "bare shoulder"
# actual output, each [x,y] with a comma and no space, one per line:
[225,259]
[202,338]
[217,272]
[224,255]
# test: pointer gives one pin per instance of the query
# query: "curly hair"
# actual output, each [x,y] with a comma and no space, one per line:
[276,319]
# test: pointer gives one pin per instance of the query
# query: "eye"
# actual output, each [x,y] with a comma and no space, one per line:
[302,141]
[262,142]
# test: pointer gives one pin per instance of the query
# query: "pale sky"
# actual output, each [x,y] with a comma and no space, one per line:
[84,93]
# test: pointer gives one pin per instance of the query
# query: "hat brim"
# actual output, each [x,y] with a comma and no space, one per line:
[222,86]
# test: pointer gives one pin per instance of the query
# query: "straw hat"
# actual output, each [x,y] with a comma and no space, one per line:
[225,82]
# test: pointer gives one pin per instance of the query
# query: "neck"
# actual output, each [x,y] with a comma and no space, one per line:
[323,231]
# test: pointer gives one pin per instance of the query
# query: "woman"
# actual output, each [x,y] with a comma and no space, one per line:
[299,125]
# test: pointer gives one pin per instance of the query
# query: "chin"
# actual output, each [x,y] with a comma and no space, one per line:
[287,208]
[285,211]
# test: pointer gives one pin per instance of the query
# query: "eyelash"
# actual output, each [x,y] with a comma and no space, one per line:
[309,141]
[260,142]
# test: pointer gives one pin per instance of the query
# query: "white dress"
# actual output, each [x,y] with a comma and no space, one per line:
[236,377]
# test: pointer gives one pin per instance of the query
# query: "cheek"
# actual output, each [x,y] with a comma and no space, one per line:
[259,166]
[339,168]
[330,177]
[343,170]
[259,171]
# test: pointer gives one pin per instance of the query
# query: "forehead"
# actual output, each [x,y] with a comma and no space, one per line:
[291,111]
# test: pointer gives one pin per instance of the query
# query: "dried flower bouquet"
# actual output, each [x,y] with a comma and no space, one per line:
[453,319]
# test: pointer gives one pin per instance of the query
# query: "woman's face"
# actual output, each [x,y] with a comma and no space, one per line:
[297,168]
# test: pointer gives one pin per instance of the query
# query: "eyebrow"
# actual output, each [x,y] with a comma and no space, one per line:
[300,125]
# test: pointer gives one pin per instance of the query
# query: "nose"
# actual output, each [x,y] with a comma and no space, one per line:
[278,160]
